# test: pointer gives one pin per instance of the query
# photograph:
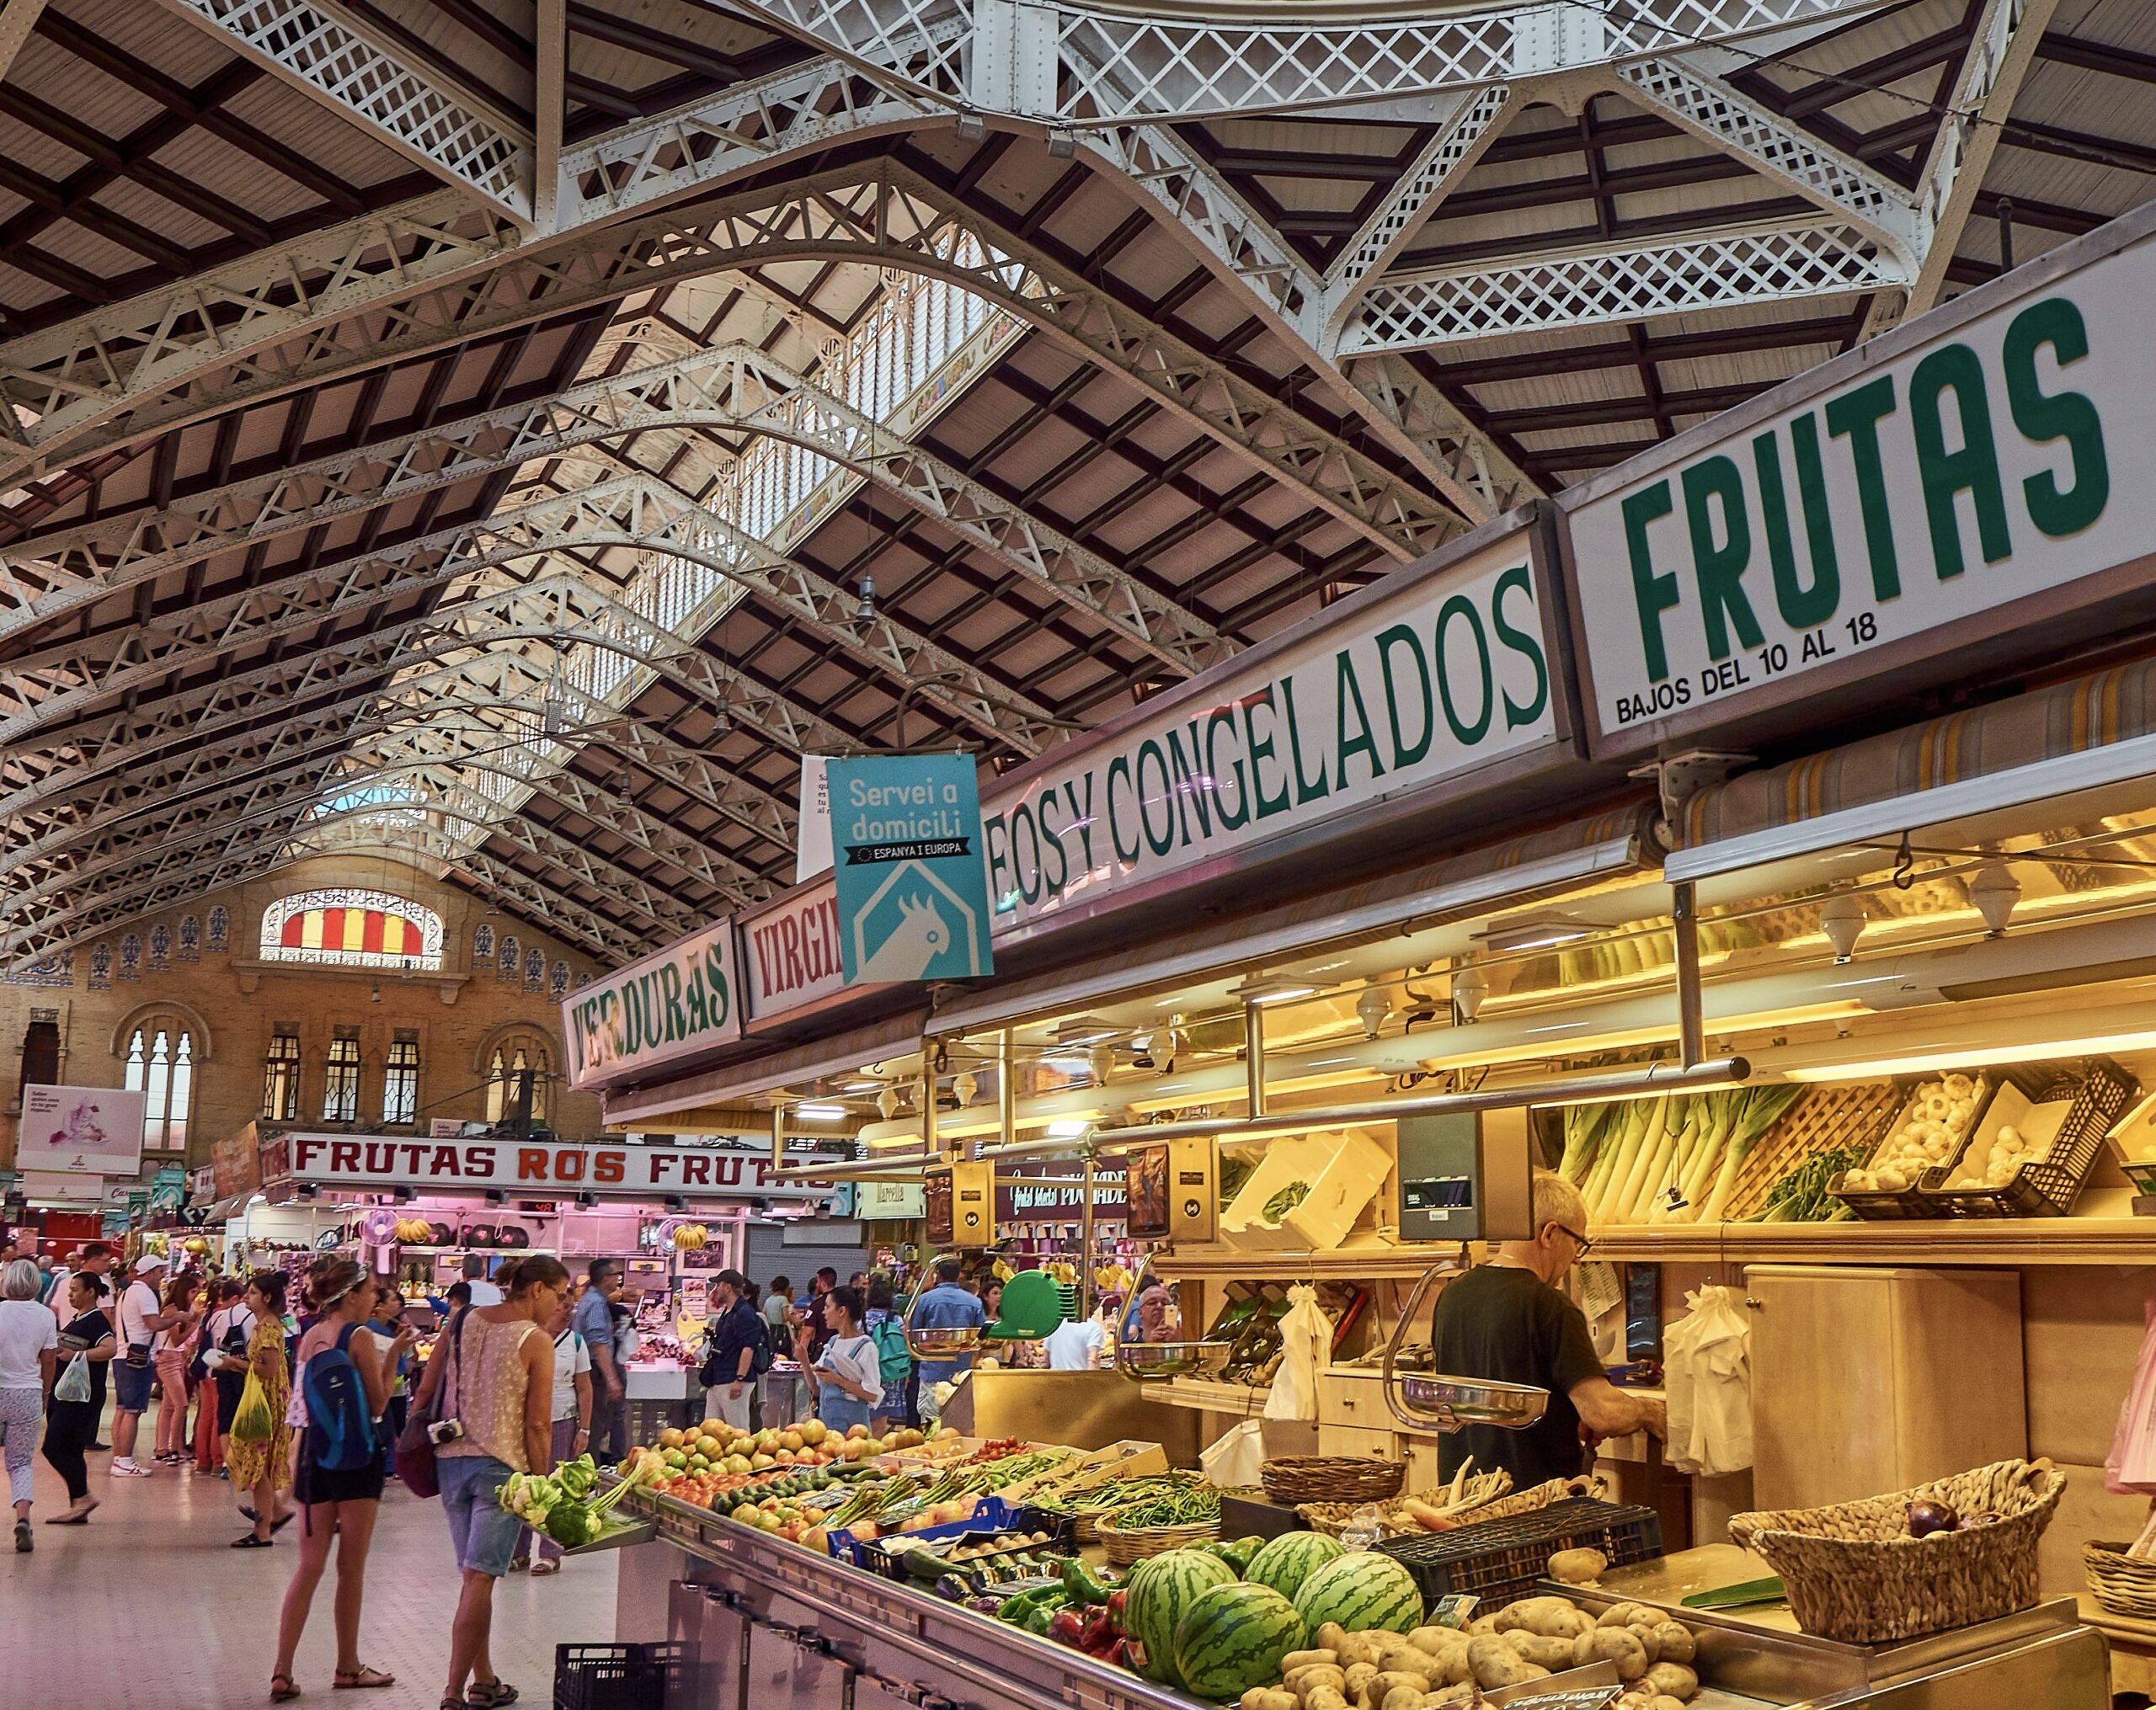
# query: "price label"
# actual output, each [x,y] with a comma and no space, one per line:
[1572,1698]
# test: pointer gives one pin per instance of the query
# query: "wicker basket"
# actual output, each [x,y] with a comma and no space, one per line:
[1331,1518]
[1853,1573]
[1126,1548]
[1330,1479]
[1537,1496]
[2124,1585]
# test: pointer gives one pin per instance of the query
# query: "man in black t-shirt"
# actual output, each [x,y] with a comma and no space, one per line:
[1506,1321]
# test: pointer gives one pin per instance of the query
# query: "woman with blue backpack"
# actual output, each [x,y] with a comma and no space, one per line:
[344,1374]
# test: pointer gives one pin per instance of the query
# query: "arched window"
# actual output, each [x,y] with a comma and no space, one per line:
[515,1056]
[161,1067]
[351,929]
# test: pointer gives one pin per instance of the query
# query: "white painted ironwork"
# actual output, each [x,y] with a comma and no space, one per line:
[311,44]
[1602,287]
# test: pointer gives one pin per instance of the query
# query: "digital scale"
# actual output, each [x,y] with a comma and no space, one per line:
[1466,1177]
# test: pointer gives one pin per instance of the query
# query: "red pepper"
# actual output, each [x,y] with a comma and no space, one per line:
[1099,1635]
[1067,1628]
[1120,1654]
[1116,1601]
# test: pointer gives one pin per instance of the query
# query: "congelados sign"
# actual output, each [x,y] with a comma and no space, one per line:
[1444,676]
[1974,472]
[675,1005]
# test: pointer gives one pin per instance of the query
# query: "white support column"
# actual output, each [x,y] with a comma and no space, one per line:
[313,46]
[549,98]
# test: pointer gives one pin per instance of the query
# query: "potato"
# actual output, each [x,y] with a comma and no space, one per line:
[1391,1682]
[1358,1647]
[1624,1614]
[1268,1698]
[1481,1624]
[1403,1698]
[1306,1659]
[1328,1638]
[1544,1653]
[1529,1613]
[1325,1698]
[1454,1666]
[1460,1693]
[1359,1677]
[1649,1639]
[1307,1678]
[1495,1662]
[1436,1641]
[1673,1680]
[1614,1645]
[1675,1643]
[1578,1567]
[1566,1623]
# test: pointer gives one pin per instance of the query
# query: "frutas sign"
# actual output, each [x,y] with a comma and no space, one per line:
[1444,676]
[534,1168]
[677,1003]
[1971,473]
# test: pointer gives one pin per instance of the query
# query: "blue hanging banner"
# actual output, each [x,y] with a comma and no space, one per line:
[912,886]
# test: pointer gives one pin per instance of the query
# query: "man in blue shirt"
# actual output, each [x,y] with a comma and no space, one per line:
[594,1321]
[945,1306]
[731,1339]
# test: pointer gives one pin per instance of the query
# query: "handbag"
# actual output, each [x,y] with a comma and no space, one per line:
[415,1444]
[74,1384]
[253,1421]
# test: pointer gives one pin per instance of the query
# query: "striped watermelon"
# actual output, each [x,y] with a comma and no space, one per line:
[1161,1590]
[1364,1592]
[1233,1637]
[1291,1558]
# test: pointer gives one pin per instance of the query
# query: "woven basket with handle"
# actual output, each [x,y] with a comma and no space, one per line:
[1330,1479]
[1126,1548]
[2124,1585]
[1394,1520]
[1855,1573]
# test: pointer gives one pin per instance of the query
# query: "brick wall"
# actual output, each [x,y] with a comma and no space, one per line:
[231,1000]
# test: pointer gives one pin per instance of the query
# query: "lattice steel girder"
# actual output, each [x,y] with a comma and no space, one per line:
[564,611]
[168,345]
[313,45]
[170,876]
[1600,286]
[1992,74]
[1734,123]
[880,213]
[1474,462]
[638,512]
[1072,64]
[279,802]
[733,387]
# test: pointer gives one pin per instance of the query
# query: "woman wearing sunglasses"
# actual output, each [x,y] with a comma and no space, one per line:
[1507,1321]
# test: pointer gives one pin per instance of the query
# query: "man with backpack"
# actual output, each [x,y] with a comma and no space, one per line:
[737,1349]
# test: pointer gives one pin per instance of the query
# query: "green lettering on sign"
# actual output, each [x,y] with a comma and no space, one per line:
[1469,732]
[2066,415]
[1855,416]
[1972,469]
[1801,607]
[1719,569]
[1400,636]
[1523,642]
[1348,693]
[1654,592]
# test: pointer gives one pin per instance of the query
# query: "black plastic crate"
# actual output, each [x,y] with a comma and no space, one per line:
[1501,1560]
[618,1676]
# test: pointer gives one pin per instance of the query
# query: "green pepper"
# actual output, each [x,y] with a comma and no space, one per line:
[1015,1610]
[1237,1552]
[1038,1616]
[1084,1587]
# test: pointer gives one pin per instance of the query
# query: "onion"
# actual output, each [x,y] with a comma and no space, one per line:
[1927,1517]
[1970,1522]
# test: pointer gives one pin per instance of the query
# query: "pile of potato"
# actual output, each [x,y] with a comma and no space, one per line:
[1525,1641]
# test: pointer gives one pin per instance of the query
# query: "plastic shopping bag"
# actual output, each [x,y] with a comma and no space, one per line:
[254,1421]
[1707,1378]
[1305,1344]
[1232,1462]
[74,1384]
[2130,1468]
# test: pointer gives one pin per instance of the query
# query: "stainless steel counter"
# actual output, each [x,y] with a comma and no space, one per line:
[773,1628]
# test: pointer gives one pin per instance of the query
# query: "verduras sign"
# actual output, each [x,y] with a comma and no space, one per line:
[678,1003]
[1444,674]
[536,1169]
[1977,470]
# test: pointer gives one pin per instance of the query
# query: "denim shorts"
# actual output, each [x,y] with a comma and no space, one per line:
[131,1386]
[470,1496]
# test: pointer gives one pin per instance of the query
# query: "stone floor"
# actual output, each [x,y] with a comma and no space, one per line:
[146,1608]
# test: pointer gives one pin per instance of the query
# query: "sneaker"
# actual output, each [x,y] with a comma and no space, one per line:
[24,1543]
[128,1469]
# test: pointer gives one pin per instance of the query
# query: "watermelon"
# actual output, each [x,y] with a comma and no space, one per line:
[1233,1637]
[1364,1592]
[1161,1590]
[1291,1558]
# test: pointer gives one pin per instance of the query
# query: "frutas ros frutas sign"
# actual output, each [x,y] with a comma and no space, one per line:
[1904,501]
[683,1000]
[1446,676]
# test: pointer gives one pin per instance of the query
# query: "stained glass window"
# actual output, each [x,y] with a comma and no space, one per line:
[351,929]
[400,1083]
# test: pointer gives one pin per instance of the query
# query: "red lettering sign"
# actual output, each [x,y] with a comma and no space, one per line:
[608,1167]
[568,1164]
[531,1163]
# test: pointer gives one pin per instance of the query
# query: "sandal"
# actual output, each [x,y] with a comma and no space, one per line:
[540,1569]
[281,1688]
[247,1541]
[486,1697]
[362,1679]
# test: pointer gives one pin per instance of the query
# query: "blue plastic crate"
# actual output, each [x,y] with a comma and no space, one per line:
[990,1513]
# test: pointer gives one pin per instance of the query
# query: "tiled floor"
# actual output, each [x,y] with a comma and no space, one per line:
[146,1608]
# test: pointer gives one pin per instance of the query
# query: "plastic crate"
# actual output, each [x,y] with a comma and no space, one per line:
[891,1565]
[1895,1205]
[2099,1091]
[991,1514]
[1502,1560]
[618,1676]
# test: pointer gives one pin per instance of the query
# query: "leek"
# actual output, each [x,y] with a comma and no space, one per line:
[1641,1154]
[1679,1133]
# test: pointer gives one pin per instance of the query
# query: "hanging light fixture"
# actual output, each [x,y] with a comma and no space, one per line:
[1470,987]
[1842,919]
[1373,1007]
[1995,890]
[864,604]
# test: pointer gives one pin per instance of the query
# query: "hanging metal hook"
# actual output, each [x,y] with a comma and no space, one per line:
[1905,865]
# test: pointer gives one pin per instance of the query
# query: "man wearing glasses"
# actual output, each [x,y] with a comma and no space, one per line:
[1507,1321]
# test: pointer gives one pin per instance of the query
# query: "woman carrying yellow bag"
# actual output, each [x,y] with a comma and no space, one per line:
[264,1462]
